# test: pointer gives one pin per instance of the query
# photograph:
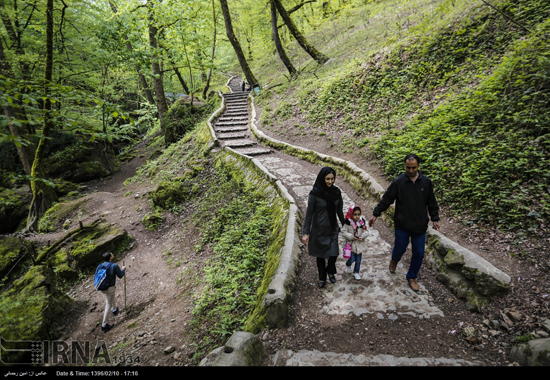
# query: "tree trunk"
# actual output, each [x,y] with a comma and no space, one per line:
[43,196]
[205,90]
[162,104]
[276,39]
[17,114]
[310,49]
[182,81]
[236,45]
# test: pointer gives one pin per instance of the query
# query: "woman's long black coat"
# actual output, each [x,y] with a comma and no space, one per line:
[323,238]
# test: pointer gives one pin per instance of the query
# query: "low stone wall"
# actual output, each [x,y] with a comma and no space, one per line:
[274,307]
[462,271]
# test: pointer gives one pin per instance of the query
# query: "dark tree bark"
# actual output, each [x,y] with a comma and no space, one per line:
[236,45]
[277,41]
[310,49]
[158,76]
[182,81]
[43,195]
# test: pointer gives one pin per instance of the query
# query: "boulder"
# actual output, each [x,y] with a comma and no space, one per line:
[533,353]
[14,208]
[12,251]
[29,310]
[241,349]
[84,247]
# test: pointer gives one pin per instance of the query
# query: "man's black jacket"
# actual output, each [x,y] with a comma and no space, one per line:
[413,202]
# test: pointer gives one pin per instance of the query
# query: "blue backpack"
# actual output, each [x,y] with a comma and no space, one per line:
[101,281]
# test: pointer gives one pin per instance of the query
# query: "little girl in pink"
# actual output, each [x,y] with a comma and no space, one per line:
[355,234]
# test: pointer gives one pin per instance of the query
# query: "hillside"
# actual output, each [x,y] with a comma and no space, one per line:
[463,86]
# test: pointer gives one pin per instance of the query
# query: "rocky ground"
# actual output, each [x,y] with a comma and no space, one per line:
[152,328]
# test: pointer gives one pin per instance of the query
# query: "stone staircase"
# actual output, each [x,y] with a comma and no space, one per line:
[232,127]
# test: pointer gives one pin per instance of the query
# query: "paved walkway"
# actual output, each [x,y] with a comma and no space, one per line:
[378,291]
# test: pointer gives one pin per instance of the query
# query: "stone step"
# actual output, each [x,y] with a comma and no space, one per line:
[237,108]
[231,135]
[254,151]
[239,143]
[231,129]
[233,119]
[332,359]
[235,114]
[236,96]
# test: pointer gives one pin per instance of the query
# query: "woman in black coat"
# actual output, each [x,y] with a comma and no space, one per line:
[320,232]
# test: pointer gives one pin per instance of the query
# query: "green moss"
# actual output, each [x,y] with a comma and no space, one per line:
[13,209]
[151,221]
[57,214]
[85,249]
[171,193]
[63,187]
[11,250]
[29,309]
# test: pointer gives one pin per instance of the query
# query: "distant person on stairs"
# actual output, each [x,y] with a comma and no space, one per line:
[321,229]
[414,198]
[243,85]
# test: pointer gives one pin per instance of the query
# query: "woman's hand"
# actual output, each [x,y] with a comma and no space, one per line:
[305,239]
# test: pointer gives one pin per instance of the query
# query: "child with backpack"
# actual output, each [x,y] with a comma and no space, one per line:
[105,281]
[355,233]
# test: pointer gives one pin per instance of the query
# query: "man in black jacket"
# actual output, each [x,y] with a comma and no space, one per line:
[414,199]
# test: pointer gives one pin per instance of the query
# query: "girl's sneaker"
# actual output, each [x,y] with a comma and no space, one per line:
[348,269]
[357,276]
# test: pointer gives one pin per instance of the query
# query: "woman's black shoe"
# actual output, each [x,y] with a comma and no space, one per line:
[332,278]
[321,284]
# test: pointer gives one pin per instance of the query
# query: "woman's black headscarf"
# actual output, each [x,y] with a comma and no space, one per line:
[329,194]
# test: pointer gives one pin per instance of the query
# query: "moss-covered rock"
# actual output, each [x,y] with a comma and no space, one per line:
[14,208]
[83,162]
[83,248]
[28,310]
[181,189]
[63,187]
[57,215]
[11,250]
[152,220]
[86,247]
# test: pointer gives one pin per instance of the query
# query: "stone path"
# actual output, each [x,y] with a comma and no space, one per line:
[378,291]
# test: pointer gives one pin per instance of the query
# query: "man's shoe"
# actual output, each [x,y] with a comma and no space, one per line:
[393,265]
[115,312]
[332,278]
[321,284]
[107,327]
[413,284]
[357,276]
[348,269]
